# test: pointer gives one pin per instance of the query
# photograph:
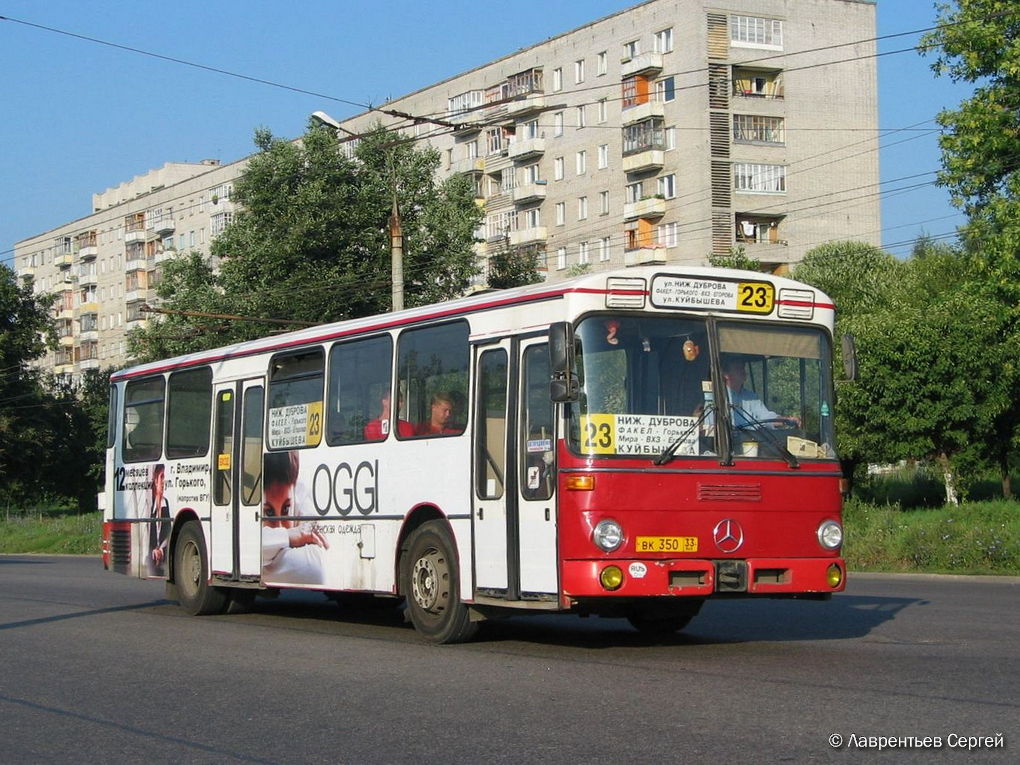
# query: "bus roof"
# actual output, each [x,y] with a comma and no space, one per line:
[622,282]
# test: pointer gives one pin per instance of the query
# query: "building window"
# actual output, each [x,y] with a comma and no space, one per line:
[758,129]
[633,192]
[665,90]
[602,63]
[561,213]
[667,186]
[532,173]
[530,130]
[664,41]
[762,179]
[561,258]
[581,118]
[603,110]
[220,221]
[582,208]
[558,123]
[604,251]
[603,203]
[557,83]
[756,32]
[558,169]
[582,162]
[631,49]
[603,155]
[582,253]
[670,138]
[579,71]
[533,217]
[666,235]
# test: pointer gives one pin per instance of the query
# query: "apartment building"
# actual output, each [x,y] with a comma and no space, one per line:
[666,132]
[104,267]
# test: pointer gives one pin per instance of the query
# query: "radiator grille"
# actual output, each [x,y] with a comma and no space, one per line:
[729,492]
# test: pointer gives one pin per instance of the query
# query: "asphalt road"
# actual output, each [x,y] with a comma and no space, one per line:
[98,667]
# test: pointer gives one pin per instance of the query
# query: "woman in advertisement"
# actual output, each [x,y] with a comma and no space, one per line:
[291,549]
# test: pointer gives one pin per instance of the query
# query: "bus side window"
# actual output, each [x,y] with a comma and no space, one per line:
[295,399]
[538,437]
[251,447]
[143,419]
[358,402]
[432,375]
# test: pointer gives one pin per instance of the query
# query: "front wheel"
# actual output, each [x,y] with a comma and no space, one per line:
[660,621]
[429,581]
[191,574]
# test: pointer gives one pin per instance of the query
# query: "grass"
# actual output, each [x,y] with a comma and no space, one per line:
[50,531]
[973,538]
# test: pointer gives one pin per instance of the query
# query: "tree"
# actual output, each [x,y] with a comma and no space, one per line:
[513,267]
[311,241]
[975,42]
[737,257]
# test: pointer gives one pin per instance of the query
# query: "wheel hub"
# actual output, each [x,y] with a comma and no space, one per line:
[425,581]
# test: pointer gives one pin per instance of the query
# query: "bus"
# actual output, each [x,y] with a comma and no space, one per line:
[624,444]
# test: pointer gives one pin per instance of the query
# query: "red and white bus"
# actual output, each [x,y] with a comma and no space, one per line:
[629,443]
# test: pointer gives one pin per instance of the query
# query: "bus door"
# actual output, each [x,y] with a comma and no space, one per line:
[514,516]
[237,480]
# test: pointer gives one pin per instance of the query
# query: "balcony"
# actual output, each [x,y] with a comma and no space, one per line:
[87,306]
[643,111]
[527,105]
[88,253]
[66,341]
[528,236]
[136,263]
[643,63]
[137,294]
[27,272]
[653,207]
[467,165]
[162,255]
[644,161]
[86,278]
[644,255]
[162,226]
[88,336]
[88,364]
[137,235]
[529,192]
[63,261]
[527,149]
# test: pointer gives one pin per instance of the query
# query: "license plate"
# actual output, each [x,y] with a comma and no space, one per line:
[666,544]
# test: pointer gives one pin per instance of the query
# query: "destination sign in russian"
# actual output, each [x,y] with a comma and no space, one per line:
[712,294]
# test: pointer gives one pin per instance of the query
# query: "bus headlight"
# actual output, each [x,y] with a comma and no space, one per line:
[608,535]
[830,535]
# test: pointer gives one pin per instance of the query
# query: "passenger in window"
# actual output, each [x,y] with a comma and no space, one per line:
[441,412]
[379,428]
[292,550]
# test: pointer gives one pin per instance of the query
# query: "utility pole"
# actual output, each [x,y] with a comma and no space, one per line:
[396,257]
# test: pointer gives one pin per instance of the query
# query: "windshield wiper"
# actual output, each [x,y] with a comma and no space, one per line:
[670,450]
[759,427]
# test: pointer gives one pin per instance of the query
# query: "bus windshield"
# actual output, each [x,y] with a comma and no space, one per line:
[647,388]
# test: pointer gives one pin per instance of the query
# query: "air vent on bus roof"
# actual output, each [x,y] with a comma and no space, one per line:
[625,292]
[796,304]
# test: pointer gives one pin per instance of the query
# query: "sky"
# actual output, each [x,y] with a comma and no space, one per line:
[78,116]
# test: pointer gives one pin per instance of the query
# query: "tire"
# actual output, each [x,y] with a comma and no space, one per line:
[661,621]
[430,584]
[191,574]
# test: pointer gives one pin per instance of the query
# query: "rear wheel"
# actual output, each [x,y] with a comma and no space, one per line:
[661,620]
[191,574]
[430,584]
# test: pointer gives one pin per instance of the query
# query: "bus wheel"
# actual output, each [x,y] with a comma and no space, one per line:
[430,585]
[659,621]
[191,574]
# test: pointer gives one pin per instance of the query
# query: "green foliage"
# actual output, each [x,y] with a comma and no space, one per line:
[513,267]
[972,538]
[311,241]
[737,257]
[50,531]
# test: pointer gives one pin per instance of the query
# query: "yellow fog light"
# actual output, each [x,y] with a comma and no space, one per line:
[611,577]
[834,575]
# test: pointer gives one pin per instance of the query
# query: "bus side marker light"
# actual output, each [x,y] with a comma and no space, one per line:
[834,575]
[581,482]
[611,578]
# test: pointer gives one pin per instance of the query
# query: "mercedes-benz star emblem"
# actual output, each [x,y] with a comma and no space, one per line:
[728,535]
